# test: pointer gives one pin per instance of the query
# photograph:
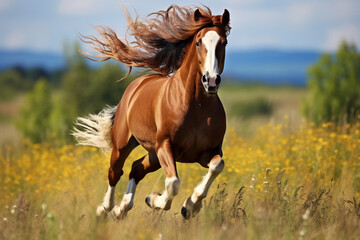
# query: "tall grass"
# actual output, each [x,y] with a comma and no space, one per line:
[279,184]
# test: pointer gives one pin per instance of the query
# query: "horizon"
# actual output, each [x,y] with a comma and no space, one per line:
[296,25]
[272,67]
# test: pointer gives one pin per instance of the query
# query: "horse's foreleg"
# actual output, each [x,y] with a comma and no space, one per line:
[172,183]
[140,168]
[193,204]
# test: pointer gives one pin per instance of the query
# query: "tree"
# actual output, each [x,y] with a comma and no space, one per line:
[12,82]
[35,115]
[334,84]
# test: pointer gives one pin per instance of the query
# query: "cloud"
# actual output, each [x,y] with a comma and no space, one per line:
[15,39]
[301,14]
[314,24]
[79,7]
[5,4]
[31,35]
[300,24]
[350,33]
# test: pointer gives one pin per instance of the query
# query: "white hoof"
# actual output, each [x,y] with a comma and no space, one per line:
[118,212]
[100,211]
[157,201]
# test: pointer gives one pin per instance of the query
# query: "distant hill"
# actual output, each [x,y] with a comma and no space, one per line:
[264,66]
[27,59]
[270,66]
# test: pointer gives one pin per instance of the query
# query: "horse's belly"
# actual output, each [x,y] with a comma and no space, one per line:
[191,148]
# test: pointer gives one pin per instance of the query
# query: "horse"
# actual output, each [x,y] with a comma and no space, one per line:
[174,113]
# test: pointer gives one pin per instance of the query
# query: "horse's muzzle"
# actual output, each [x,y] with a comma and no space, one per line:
[211,84]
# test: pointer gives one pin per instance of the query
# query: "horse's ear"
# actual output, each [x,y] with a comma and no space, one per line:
[225,18]
[197,15]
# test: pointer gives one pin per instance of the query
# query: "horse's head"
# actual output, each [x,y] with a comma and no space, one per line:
[210,45]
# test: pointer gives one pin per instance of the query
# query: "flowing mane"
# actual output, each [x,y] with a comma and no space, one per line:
[158,41]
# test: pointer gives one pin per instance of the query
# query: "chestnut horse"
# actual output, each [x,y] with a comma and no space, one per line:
[176,114]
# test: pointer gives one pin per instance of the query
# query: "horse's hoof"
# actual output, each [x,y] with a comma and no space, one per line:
[185,213]
[150,200]
[147,200]
[118,213]
[100,211]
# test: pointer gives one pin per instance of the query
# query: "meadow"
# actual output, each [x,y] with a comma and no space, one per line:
[284,178]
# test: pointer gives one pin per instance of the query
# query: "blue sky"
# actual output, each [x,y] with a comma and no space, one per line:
[44,25]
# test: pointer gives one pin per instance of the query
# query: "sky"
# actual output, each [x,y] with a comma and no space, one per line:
[45,25]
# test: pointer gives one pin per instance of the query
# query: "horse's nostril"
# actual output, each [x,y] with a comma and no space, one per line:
[203,78]
[218,80]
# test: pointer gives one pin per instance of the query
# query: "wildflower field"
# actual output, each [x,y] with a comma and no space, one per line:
[280,183]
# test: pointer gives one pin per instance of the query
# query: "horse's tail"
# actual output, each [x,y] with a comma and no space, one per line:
[95,129]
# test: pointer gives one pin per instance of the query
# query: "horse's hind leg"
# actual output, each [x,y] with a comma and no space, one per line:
[117,159]
[140,168]
[193,204]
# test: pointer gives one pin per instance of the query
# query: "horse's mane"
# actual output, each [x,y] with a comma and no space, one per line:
[159,40]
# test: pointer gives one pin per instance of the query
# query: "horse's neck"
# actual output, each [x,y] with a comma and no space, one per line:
[189,77]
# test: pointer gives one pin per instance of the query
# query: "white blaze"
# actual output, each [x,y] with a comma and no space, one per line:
[210,41]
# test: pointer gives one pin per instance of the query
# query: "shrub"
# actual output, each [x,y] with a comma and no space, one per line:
[334,84]
[250,108]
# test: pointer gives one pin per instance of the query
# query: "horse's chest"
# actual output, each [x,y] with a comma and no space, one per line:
[200,134]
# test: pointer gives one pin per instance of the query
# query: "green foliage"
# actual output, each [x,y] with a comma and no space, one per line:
[34,116]
[17,80]
[11,82]
[60,120]
[89,90]
[334,84]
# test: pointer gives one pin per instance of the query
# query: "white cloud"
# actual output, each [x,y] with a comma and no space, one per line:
[15,39]
[79,7]
[314,24]
[5,4]
[301,14]
[350,33]
[326,11]
[31,35]
[344,9]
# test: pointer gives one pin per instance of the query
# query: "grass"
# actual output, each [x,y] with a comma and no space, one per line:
[281,183]
[284,178]
[248,109]
[251,106]
[9,110]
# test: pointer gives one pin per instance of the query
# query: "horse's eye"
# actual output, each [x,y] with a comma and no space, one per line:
[197,44]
